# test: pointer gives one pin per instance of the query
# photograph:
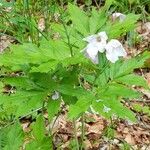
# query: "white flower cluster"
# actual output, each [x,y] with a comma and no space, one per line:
[98,43]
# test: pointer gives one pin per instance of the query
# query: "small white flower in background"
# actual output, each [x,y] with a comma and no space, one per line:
[114,50]
[56,95]
[119,16]
[96,43]
[106,109]
[1,4]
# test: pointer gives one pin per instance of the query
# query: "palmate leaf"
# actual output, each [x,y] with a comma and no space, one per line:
[97,20]
[22,54]
[53,108]
[45,67]
[140,108]
[41,141]
[120,28]
[38,128]
[71,91]
[23,102]
[12,137]
[133,79]
[122,68]
[55,49]
[43,59]
[116,108]
[22,82]
[45,144]
[80,106]
[75,38]
[119,90]
[79,18]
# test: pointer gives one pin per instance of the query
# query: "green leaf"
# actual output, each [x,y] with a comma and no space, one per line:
[45,67]
[133,79]
[140,108]
[44,144]
[12,137]
[53,108]
[119,90]
[121,68]
[41,141]
[79,19]
[116,108]
[39,128]
[97,20]
[79,107]
[20,82]
[1,86]
[55,50]
[23,102]
[120,28]
[22,54]
[72,91]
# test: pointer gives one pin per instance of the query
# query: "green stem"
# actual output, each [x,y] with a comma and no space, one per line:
[83,131]
[75,133]
[67,34]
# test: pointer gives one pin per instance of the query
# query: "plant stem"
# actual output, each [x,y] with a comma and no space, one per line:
[75,133]
[82,131]
[67,34]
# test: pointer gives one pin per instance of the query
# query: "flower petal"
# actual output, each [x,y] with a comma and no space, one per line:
[114,49]
[91,38]
[92,49]
[94,59]
[103,36]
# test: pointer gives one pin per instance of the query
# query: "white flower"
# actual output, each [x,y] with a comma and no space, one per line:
[118,15]
[96,43]
[106,109]
[114,49]
[55,96]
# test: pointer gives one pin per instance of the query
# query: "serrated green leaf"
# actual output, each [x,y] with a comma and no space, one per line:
[39,128]
[120,28]
[116,109]
[79,107]
[97,20]
[10,132]
[53,108]
[22,54]
[140,108]
[41,141]
[133,79]
[72,91]
[24,102]
[44,144]
[55,50]
[79,18]
[45,67]
[21,82]
[119,90]
[121,68]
